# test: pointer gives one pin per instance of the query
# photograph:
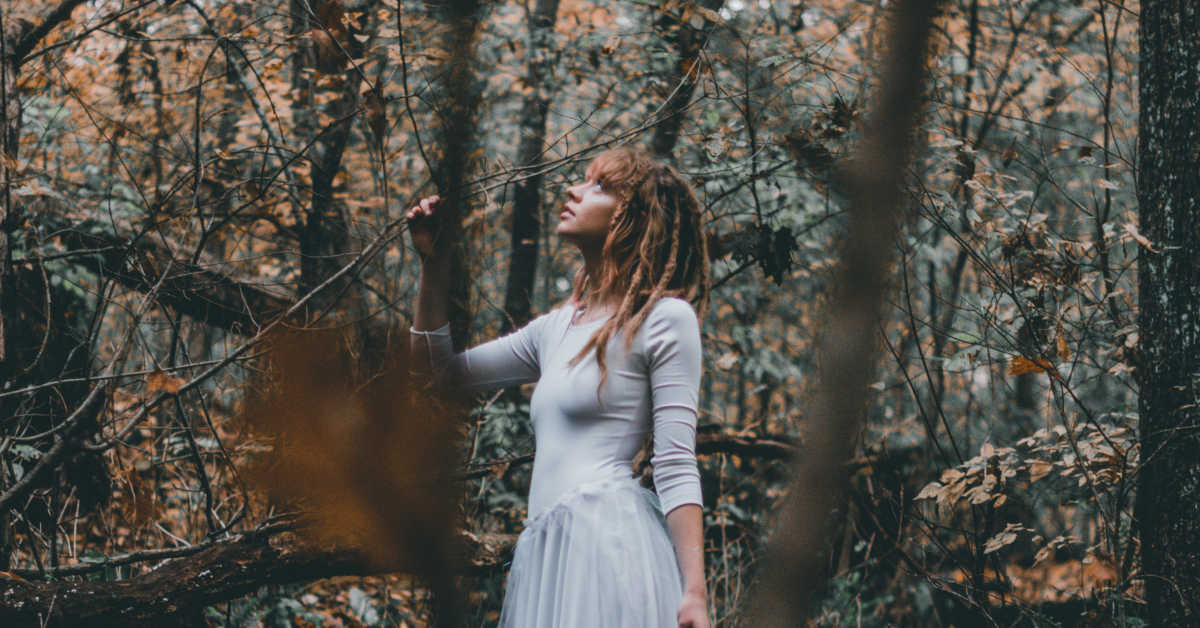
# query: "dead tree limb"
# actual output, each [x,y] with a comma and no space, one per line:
[217,573]
[201,291]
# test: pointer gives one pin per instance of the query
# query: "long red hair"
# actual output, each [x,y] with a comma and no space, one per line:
[655,247]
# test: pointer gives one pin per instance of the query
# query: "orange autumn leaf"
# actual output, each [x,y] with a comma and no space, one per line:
[1021,365]
[158,380]
[1064,352]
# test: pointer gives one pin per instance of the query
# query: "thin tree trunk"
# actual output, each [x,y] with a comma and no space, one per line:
[690,43]
[325,234]
[527,214]
[10,126]
[1168,186]
[456,137]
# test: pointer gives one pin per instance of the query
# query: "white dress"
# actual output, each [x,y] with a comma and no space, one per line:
[595,550]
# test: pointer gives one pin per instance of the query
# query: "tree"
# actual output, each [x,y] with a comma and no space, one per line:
[527,193]
[1168,502]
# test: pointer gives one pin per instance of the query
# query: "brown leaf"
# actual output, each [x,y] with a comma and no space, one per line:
[158,380]
[1010,153]
[1040,469]
[1021,365]
[375,113]
[1064,352]
[1133,232]
[498,470]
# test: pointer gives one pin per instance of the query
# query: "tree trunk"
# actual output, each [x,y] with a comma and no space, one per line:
[527,215]
[684,75]
[456,140]
[1168,373]
[325,234]
[17,39]
[10,124]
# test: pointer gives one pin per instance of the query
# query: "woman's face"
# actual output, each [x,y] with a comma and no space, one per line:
[584,218]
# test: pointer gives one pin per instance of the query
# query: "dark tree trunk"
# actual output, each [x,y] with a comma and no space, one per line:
[457,139]
[1168,373]
[690,42]
[10,124]
[17,39]
[527,215]
[325,234]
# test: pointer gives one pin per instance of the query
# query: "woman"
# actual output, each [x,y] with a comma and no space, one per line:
[621,359]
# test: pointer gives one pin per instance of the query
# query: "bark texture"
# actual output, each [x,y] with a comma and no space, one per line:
[527,196]
[1168,374]
[689,42]
[456,139]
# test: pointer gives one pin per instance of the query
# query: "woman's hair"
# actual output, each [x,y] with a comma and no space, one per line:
[655,247]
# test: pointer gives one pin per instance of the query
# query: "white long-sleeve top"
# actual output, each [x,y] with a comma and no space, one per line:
[582,436]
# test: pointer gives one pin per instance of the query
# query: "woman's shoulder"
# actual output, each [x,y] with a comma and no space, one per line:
[672,309]
[670,317]
[550,317]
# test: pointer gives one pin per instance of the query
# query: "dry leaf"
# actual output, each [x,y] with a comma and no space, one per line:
[376,116]
[1064,352]
[158,380]
[1021,365]
[727,361]
[1039,469]
[1133,232]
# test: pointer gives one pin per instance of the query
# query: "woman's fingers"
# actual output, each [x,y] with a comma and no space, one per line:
[428,202]
[424,208]
[420,228]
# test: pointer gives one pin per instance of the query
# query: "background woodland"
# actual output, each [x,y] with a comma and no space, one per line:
[207,287]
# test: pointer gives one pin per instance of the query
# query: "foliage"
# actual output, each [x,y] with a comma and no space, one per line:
[263,145]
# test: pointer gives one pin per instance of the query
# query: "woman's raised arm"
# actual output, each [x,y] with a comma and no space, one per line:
[507,361]
[433,294]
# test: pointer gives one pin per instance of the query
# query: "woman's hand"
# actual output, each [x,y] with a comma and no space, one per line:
[693,611]
[424,228]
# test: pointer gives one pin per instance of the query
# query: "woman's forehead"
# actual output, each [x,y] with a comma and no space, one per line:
[604,165]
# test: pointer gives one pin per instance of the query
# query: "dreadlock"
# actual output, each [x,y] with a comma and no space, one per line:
[655,247]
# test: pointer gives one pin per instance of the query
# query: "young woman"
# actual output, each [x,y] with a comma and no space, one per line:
[619,360]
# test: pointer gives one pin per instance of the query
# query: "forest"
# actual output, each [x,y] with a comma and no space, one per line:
[951,369]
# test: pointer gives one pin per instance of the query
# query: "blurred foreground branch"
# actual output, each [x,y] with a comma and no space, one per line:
[794,567]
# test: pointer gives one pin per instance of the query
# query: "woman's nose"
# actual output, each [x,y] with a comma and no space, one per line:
[573,192]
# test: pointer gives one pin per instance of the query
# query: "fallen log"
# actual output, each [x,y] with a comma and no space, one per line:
[220,572]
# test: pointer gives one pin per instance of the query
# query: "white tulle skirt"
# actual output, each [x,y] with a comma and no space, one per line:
[600,556]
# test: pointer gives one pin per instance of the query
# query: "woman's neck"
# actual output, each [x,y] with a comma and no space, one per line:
[592,265]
